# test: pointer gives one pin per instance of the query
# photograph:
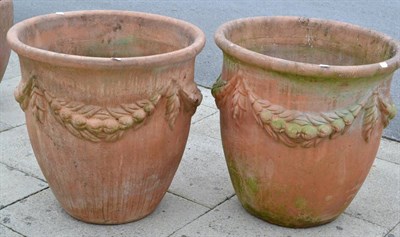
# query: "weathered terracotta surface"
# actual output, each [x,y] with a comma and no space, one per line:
[303,103]
[108,98]
[6,21]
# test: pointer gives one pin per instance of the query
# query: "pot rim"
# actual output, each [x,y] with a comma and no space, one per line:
[79,61]
[5,1]
[300,68]
[7,4]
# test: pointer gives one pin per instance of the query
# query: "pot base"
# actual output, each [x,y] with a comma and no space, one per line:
[110,222]
[288,221]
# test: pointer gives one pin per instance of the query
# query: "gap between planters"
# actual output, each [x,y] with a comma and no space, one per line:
[209,210]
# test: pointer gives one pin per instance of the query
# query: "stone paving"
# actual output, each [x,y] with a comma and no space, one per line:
[200,201]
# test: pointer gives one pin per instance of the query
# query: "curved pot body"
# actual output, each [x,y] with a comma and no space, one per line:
[303,103]
[6,21]
[108,98]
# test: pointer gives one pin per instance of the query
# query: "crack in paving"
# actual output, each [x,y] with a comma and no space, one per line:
[208,211]
[394,163]
[204,117]
[21,199]
[391,139]
[388,234]
[178,195]
[368,221]
[12,127]
[25,173]
[11,229]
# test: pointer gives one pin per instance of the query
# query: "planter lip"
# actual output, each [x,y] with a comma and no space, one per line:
[306,69]
[77,61]
[5,1]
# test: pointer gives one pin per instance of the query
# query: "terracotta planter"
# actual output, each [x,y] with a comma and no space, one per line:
[6,21]
[108,98]
[303,103]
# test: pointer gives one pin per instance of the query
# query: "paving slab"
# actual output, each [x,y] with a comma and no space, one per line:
[395,232]
[16,185]
[230,219]
[203,112]
[41,215]
[6,232]
[16,151]
[4,126]
[208,99]
[378,200]
[207,107]
[209,127]
[10,112]
[389,150]
[202,175]
[13,69]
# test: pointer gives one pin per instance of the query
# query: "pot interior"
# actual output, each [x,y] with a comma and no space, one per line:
[106,35]
[311,41]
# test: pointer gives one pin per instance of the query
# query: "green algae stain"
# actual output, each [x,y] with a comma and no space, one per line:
[235,177]
[124,41]
[247,190]
[300,203]
[245,187]
[217,86]
[280,216]
[252,185]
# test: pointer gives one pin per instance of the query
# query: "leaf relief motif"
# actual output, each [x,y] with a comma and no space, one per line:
[96,123]
[305,129]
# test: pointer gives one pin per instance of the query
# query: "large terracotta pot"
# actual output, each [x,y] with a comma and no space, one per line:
[303,103]
[108,98]
[6,21]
